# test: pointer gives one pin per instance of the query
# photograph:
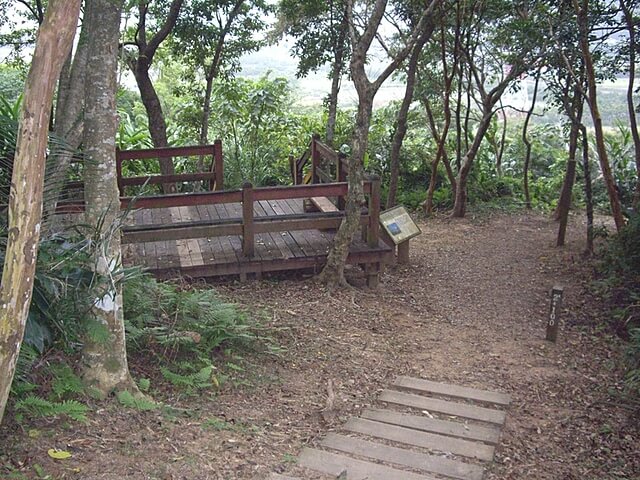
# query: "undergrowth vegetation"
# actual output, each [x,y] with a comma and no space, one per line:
[619,283]
[181,330]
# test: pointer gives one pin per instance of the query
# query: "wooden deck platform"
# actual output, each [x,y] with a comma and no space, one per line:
[207,231]
[219,255]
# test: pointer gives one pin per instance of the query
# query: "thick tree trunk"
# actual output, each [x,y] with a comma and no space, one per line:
[55,37]
[592,100]
[401,122]
[333,273]
[527,143]
[104,361]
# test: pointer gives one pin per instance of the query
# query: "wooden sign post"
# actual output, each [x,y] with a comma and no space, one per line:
[400,228]
[554,313]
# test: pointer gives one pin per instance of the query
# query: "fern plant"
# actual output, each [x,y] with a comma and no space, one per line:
[35,406]
[137,403]
[191,382]
[182,320]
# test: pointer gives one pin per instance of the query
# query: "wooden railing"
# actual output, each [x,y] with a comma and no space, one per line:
[214,177]
[321,156]
[249,225]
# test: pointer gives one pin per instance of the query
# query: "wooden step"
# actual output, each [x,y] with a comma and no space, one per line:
[467,431]
[431,441]
[334,464]
[454,391]
[443,406]
[407,458]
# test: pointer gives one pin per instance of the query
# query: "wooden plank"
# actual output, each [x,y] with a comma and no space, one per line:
[443,406]
[314,237]
[324,204]
[151,257]
[333,464]
[307,248]
[228,255]
[280,247]
[407,458]
[181,233]
[455,429]
[455,391]
[208,245]
[183,250]
[234,210]
[275,209]
[431,441]
[193,244]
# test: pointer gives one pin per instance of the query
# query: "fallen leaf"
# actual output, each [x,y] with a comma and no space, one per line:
[58,454]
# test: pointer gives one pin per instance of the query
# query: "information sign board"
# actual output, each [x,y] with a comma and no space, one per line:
[399,225]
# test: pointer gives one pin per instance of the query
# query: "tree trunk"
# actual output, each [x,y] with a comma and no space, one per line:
[140,68]
[592,100]
[333,273]
[460,205]
[588,193]
[564,204]
[441,152]
[69,124]
[155,115]
[336,77]
[632,26]
[527,142]
[503,138]
[206,113]
[401,122]
[53,44]
[211,74]
[104,360]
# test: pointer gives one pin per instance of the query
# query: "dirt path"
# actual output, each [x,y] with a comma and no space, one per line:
[470,310]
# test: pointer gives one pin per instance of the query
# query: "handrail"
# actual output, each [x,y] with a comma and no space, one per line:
[227,196]
[215,175]
[248,226]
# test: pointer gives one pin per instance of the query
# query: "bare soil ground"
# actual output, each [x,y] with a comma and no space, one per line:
[470,310]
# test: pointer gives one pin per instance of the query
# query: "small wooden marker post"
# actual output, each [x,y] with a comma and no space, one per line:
[554,313]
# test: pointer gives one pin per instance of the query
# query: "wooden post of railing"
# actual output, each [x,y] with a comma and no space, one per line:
[293,169]
[373,233]
[315,158]
[119,171]
[247,220]
[342,177]
[218,165]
